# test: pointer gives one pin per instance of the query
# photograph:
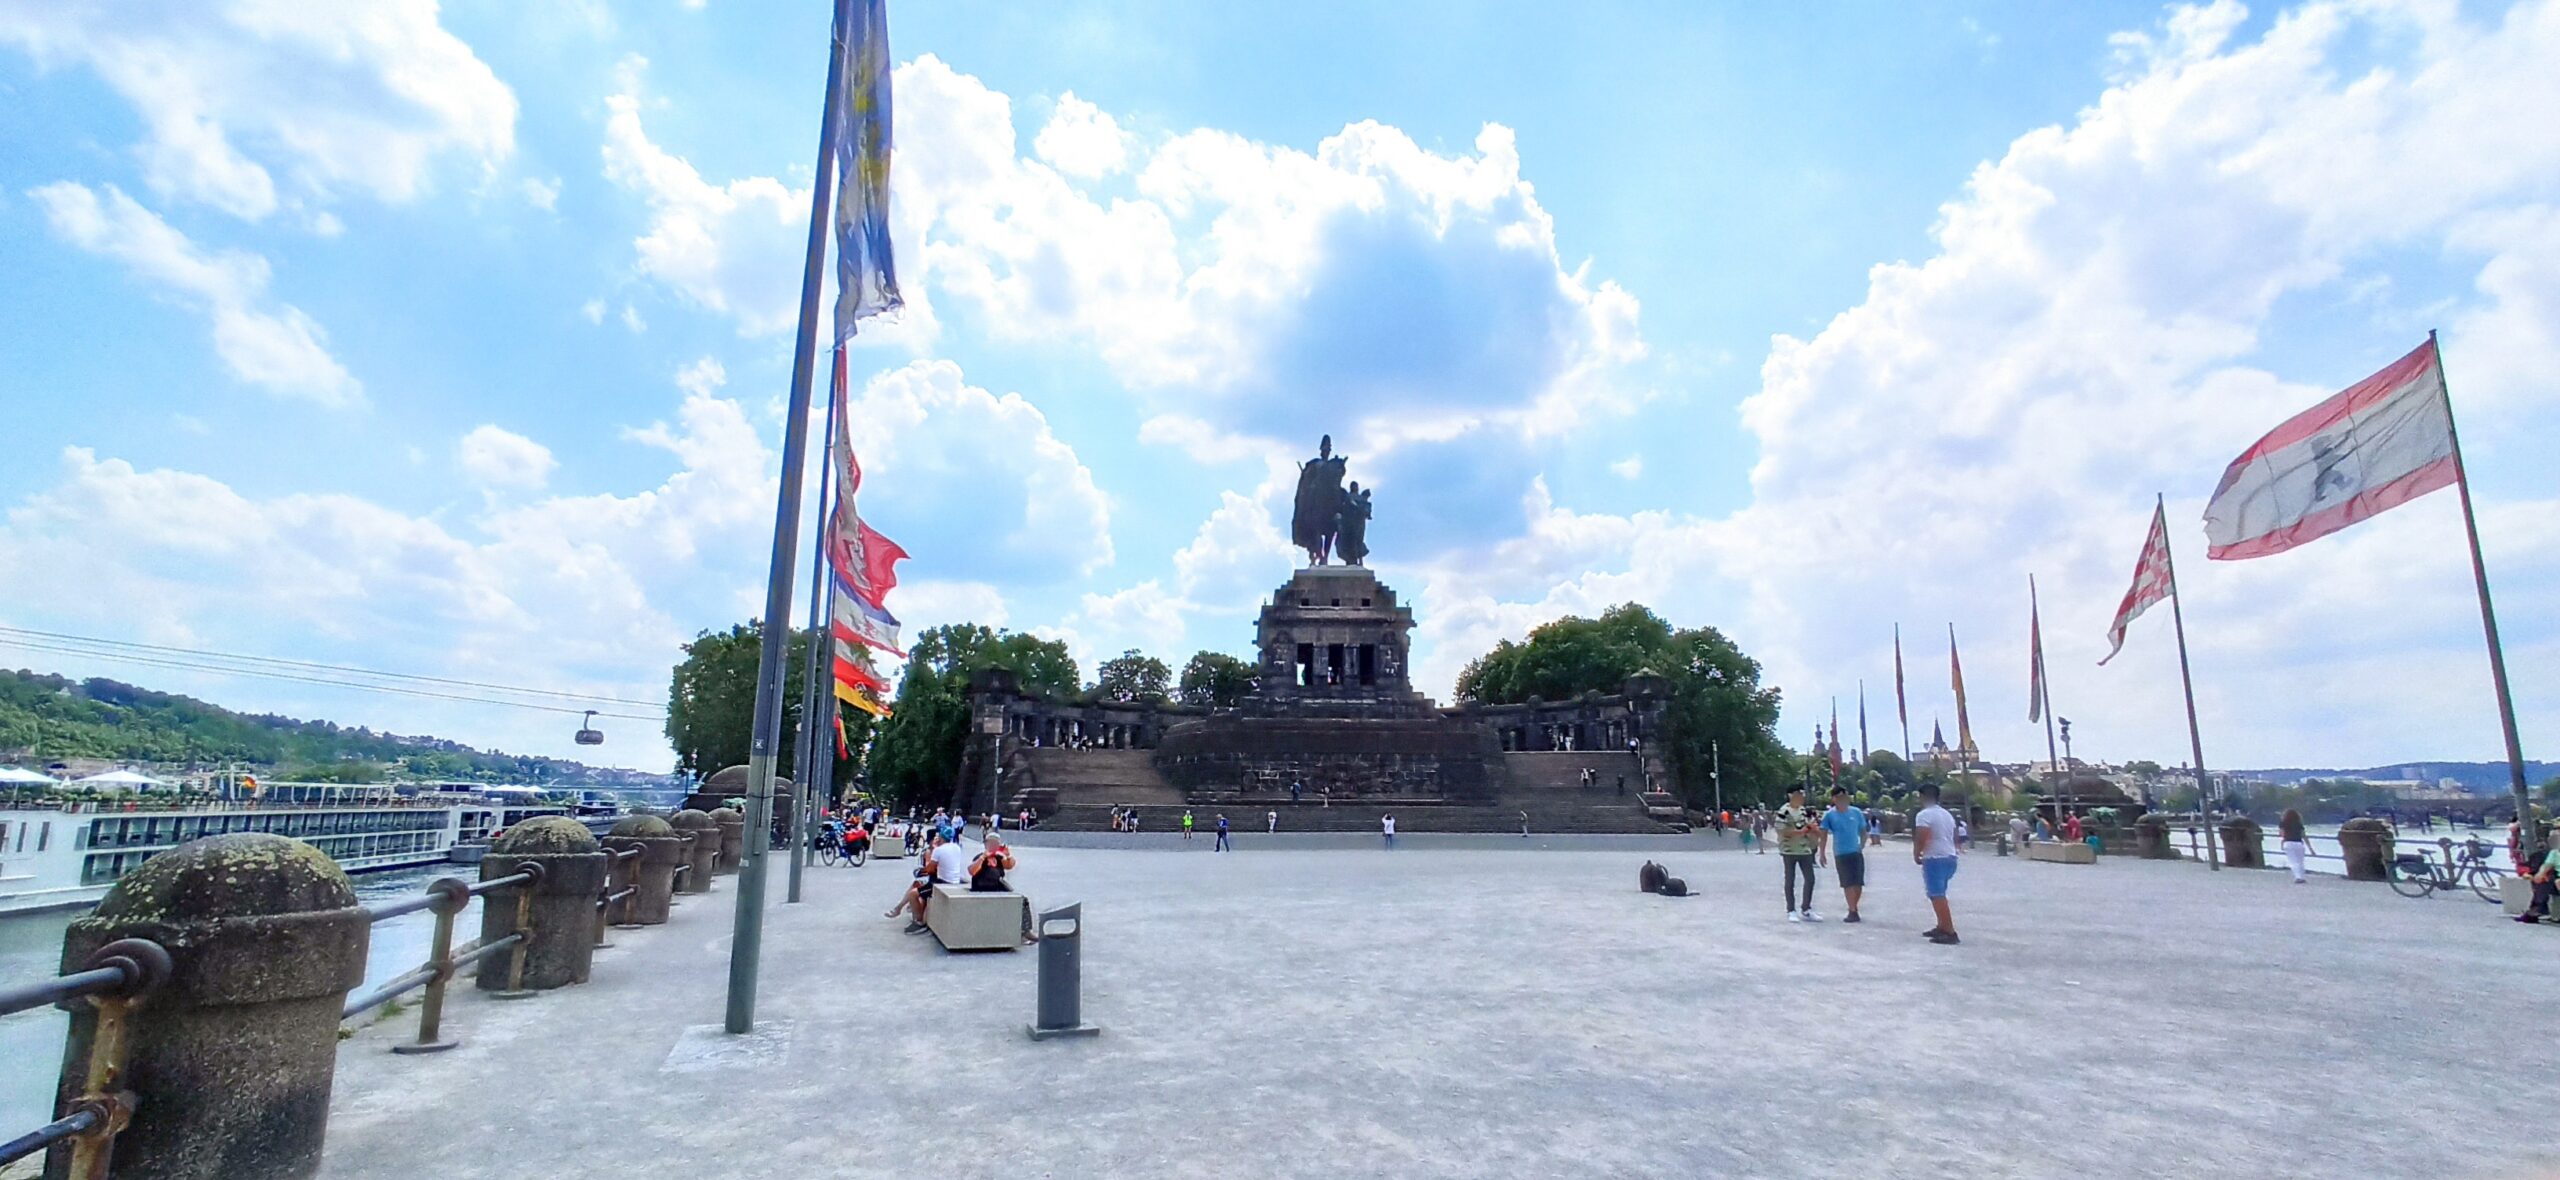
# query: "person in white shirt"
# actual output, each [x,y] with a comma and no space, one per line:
[1271,821]
[1387,828]
[1934,849]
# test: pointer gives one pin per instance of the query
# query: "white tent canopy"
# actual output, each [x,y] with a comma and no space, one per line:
[12,776]
[120,778]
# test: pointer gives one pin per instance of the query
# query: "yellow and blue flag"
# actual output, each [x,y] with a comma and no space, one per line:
[866,268]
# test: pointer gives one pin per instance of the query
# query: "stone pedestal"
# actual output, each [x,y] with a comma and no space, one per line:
[733,836]
[2242,846]
[2366,845]
[652,875]
[233,1058]
[2151,839]
[703,834]
[564,904]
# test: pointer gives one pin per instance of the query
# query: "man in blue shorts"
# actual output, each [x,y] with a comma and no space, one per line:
[1848,828]
[1933,848]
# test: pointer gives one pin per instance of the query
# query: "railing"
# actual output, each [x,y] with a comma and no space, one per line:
[117,977]
[2444,845]
[448,897]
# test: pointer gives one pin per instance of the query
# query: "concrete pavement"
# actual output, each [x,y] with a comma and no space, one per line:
[1447,1009]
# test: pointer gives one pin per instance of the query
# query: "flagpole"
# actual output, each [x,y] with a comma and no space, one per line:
[2526,843]
[821,651]
[2044,696]
[746,947]
[2186,681]
[1901,708]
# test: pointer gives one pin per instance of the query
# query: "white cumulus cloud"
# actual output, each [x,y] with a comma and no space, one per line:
[263,342]
[496,458]
[225,93]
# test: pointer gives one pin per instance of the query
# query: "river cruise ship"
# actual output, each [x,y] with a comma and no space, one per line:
[67,854]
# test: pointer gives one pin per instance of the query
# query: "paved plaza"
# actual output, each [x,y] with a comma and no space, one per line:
[1467,1008]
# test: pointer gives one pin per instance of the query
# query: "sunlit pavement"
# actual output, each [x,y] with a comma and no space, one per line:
[1452,1009]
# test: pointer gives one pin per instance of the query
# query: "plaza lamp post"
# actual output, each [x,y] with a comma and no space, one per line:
[1717,750]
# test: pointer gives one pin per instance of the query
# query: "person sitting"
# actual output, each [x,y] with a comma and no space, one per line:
[2540,908]
[987,870]
[920,890]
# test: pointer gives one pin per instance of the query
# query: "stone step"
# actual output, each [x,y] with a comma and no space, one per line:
[1364,818]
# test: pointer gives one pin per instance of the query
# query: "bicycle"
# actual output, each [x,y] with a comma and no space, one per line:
[2414,874]
[828,852]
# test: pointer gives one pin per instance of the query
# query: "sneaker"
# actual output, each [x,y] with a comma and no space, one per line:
[1811,916]
[1931,932]
[1944,937]
[917,927]
[1793,916]
[2528,919]
[1852,916]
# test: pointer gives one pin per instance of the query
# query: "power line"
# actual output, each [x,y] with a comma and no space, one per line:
[198,666]
[198,653]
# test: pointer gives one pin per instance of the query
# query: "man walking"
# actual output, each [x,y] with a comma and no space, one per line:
[1848,828]
[1933,848]
[1222,845]
[1796,836]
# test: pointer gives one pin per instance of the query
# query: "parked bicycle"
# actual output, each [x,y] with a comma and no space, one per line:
[2415,874]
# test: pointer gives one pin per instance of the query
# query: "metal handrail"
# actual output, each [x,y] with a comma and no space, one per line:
[116,978]
[2445,845]
[448,896]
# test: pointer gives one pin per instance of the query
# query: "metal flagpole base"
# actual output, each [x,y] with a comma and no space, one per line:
[1074,1030]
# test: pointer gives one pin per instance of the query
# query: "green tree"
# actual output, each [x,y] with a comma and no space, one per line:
[711,698]
[915,755]
[1717,702]
[1214,679]
[1133,676]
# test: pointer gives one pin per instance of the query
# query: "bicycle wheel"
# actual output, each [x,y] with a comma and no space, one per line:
[2408,881]
[2484,881]
[826,853]
[859,856]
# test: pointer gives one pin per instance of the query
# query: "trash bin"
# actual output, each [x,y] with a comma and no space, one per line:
[1061,975]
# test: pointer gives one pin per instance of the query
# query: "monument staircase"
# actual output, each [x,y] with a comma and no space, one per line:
[1076,790]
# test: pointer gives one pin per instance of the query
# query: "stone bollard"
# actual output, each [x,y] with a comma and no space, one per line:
[704,834]
[652,876]
[2151,839]
[2243,843]
[2365,842]
[561,909]
[233,1058]
[733,838]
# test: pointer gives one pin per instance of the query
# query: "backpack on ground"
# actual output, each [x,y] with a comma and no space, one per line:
[1675,887]
[1651,876]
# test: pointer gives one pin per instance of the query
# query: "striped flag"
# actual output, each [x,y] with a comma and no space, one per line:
[865,563]
[2377,444]
[866,267]
[2151,582]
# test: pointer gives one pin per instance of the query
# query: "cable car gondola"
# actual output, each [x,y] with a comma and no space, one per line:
[588,734]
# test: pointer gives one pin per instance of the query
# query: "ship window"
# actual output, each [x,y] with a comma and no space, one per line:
[1337,602]
[1364,602]
[45,836]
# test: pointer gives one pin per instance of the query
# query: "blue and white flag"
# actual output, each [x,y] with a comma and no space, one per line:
[866,270]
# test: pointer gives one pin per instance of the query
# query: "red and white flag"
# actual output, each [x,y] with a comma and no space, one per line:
[865,563]
[2151,582]
[2378,444]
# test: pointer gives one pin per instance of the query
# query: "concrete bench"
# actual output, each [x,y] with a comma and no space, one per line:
[967,921]
[2058,852]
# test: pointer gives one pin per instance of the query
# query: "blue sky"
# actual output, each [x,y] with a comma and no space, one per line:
[455,340]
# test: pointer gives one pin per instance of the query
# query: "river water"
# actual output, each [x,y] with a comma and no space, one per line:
[31,948]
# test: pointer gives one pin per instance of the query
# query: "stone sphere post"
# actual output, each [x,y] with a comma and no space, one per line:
[233,1058]
[562,905]
[2242,845]
[2365,842]
[653,875]
[733,836]
[703,834]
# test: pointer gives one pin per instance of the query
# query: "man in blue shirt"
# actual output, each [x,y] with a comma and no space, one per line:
[1848,828]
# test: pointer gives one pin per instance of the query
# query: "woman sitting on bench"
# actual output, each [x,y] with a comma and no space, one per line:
[986,873]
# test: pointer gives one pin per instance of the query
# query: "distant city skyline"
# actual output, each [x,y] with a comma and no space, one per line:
[453,340]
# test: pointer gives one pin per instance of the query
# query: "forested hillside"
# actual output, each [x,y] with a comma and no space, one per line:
[109,719]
